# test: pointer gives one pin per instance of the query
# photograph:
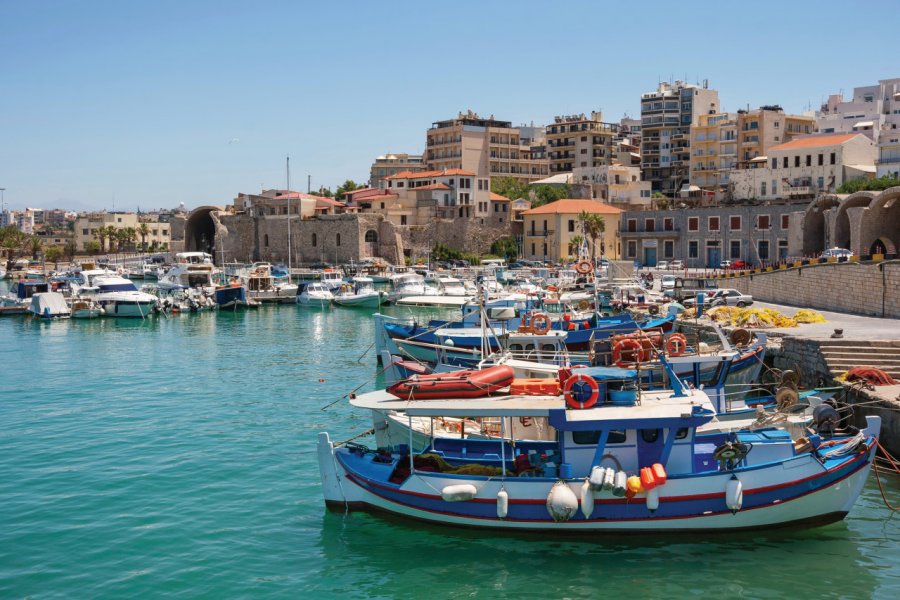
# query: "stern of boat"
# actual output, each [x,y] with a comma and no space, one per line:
[330,472]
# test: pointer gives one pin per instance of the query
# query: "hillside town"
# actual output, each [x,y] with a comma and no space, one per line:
[686,181]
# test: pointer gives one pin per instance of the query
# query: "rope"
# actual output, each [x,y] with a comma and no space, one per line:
[875,468]
[357,388]
[364,433]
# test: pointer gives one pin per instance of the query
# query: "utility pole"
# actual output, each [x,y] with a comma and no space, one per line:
[308,183]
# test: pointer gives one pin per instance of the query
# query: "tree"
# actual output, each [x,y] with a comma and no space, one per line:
[347,186]
[11,240]
[594,226]
[575,245]
[545,194]
[876,185]
[53,254]
[101,234]
[128,236]
[92,247]
[323,191]
[507,247]
[70,249]
[33,245]
[144,231]
[510,187]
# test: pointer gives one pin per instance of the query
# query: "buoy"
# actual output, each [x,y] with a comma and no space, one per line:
[609,479]
[587,499]
[502,503]
[659,473]
[620,487]
[653,499]
[596,478]
[734,494]
[562,504]
[321,380]
[633,486]
[647,479]
[459,493]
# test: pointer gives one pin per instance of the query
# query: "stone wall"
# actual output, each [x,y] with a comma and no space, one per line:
[871,289]
[466,235]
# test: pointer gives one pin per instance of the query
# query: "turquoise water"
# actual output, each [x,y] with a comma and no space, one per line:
[176,457]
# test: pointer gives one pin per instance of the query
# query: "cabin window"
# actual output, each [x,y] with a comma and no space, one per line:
[515,347]
[681,433]
[548,347]
[616,436]
[649,435]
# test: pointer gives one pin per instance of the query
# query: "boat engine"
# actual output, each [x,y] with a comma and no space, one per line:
[826,420]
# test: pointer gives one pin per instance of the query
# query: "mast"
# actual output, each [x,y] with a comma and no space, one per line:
[289,216]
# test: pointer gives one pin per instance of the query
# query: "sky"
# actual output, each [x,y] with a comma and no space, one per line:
[126,104]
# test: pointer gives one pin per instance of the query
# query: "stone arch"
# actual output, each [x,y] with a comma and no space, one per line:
[842,236]
[372,236]
[814,224]
[200,230]
[881,223]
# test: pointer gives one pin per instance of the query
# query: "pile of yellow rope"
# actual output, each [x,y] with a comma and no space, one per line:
[758,318]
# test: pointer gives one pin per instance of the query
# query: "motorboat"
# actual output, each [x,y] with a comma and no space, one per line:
[233,297]
[263,286]
[85,308]
[49,305]
[190,270]
[408,284]
[360,292]
[619,460]
[314,293]
[332,279]
[119,297]
[18,300]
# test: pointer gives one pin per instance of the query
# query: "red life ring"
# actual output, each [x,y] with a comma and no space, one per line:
[584,267]
[629,349]
[540,323]
[571,400]
[676,345]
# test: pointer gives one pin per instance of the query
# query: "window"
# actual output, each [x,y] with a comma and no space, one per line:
[402,222]
[632,248]
[762,188]
[693,224]
[649,435]
[266,240]
[371,236]
[821,159]
[774,187]
[649,224]
[669,249]
[668,224]
[632,224]
[532,247]
[797,161]
[762,222]
[820,182]
[571,225]
[545,227]
[774,163]
[532,230]
[785,221]
[785,162]
[809,160]
[734,222]
[735,249]
[84,232]
[713,224]
[314,239]
[693,249]
[616,436]
[833,155]
[337,240]
[763,249]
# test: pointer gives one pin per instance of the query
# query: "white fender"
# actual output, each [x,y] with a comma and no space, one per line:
[653,499]
[596,479]
[587,500]
[734,494]
[562,504]
[620,485]
[609,479]
[502,504]
[459,493]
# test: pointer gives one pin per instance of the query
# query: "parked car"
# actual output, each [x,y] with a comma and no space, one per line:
[730,297]
[837,253]
[740,264]
[667,283]
[725,264]
[677,265]
[663,264]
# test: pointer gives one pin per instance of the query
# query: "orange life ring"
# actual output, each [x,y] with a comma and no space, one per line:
[629,349]
[571,400]
[676,345]
[584,267]
[540,323]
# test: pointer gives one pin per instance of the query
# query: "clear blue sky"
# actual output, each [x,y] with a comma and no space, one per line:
[152,104]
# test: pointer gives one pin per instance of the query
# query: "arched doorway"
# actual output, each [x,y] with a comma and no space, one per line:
[879,247]
[842,237]
[371,239]
[882,223]
[814,224]
[200,231]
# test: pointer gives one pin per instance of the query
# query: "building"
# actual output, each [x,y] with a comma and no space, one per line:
[87,230]
[768,126]
[806,166]
[616,184]
[714,151]
[549,229]
[579,141]
[703,237]
[487,147]
[667,116]
[448,194]
[391,164]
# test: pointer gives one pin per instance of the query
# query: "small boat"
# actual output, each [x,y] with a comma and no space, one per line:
[49,305]
[191,270]
[314,293]
[119,297]
[233,297]
[83,308]
[459,384]
[17,301]
[262,285]
[332,279]
[360,292]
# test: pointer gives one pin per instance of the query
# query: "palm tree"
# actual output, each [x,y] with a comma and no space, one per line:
[594,226]
[575,245]
[144,232]
[101,233]
[53,254]
[11,241]
[128,236]
[33,244]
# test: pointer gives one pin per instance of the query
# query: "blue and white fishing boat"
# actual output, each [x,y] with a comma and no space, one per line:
[233,297]
[619,460]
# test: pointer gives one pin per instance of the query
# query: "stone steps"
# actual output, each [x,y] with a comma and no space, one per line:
[843,355]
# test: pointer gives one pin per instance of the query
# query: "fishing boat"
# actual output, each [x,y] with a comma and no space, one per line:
[359,293]
[233,297]
[49,305]
[263,286]
[314,293]
[619,461]
[17,301]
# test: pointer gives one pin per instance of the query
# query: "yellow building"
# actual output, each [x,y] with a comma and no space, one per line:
[767,126]
[88,224]
[714,143]
[549,229]
[578,141]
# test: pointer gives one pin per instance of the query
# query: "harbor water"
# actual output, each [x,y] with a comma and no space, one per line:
[175,457]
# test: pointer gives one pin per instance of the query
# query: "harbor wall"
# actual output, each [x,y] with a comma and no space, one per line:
[871,289]
[466,235]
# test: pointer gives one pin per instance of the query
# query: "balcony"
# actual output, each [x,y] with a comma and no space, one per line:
[670,233]
[800,190]
[545,233]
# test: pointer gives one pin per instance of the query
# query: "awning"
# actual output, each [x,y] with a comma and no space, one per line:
[864,124]
[759,159]
[863,168]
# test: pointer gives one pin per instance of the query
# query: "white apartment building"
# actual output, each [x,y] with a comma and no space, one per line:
[618,185]
[806,166]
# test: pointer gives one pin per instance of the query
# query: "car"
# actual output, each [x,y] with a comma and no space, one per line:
[730,297]
[663,264]
[836,253]
[740,264]
[667,283]
[677,265]
[725,264]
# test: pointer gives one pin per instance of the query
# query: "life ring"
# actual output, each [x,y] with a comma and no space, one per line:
[584,305]
[581,381]
[552,288]
[653,309]
[540,323]
[676,344]
[526,421]
[584,267]
[627,352]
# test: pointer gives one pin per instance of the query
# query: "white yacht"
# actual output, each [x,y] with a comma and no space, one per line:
[360,292]
[263,286]
[314,293]
[409,284]
[116,295]
[191,270]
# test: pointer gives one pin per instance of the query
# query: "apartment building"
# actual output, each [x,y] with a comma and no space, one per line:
[616,184]
[806,166]
[415,198]
[667,116]
[714,151]
[579,141]
[391,164]
[487,147]
[549,229]
[88,224]
[767,126]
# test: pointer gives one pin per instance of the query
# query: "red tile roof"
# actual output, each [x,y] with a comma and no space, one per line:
[433,186]
[430,174]
[380,197]
[322,200]
[498,198]
[815,141]
[570,206]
